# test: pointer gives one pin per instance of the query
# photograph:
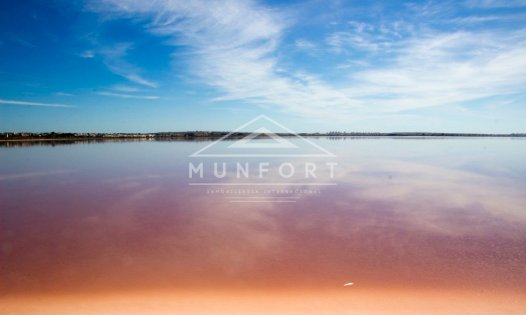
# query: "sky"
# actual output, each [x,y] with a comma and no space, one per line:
[314,66]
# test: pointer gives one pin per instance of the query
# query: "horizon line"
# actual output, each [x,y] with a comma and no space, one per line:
[248,132]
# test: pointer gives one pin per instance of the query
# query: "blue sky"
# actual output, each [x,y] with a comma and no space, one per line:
[160,65]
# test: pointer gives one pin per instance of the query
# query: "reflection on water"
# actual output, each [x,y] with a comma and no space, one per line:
[406,216]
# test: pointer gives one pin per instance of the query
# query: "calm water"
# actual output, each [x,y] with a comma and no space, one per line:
[416,225]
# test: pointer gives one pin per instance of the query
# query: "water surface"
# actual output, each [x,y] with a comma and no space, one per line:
[417,225]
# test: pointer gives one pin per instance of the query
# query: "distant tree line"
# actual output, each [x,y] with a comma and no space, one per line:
[7,136]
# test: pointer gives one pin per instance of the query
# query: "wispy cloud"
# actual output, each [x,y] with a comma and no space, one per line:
[24,103]
[23,42]
[502,18]
[88,54]
[304,44]
[368,37]
[121,95]
[404,63]
[115,60]
[440,68]
[234,45]
[63,94]
[125,88]
[496,3]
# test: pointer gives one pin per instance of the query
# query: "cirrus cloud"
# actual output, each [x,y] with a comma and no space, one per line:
[235,47]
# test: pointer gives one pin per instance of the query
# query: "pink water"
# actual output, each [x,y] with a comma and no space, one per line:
[418,226]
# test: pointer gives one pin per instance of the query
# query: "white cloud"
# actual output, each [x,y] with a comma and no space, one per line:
[235,47]
[24,103]
[496,3]
[340,41]
[88,54]
[125,88]
[121,95]
[360,36]
[115,60]
[442,69]
[304,44]
[503,18]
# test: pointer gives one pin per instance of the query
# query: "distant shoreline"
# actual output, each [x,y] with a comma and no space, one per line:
[204,135]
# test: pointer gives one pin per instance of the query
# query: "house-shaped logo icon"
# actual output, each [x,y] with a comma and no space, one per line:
[262,137]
